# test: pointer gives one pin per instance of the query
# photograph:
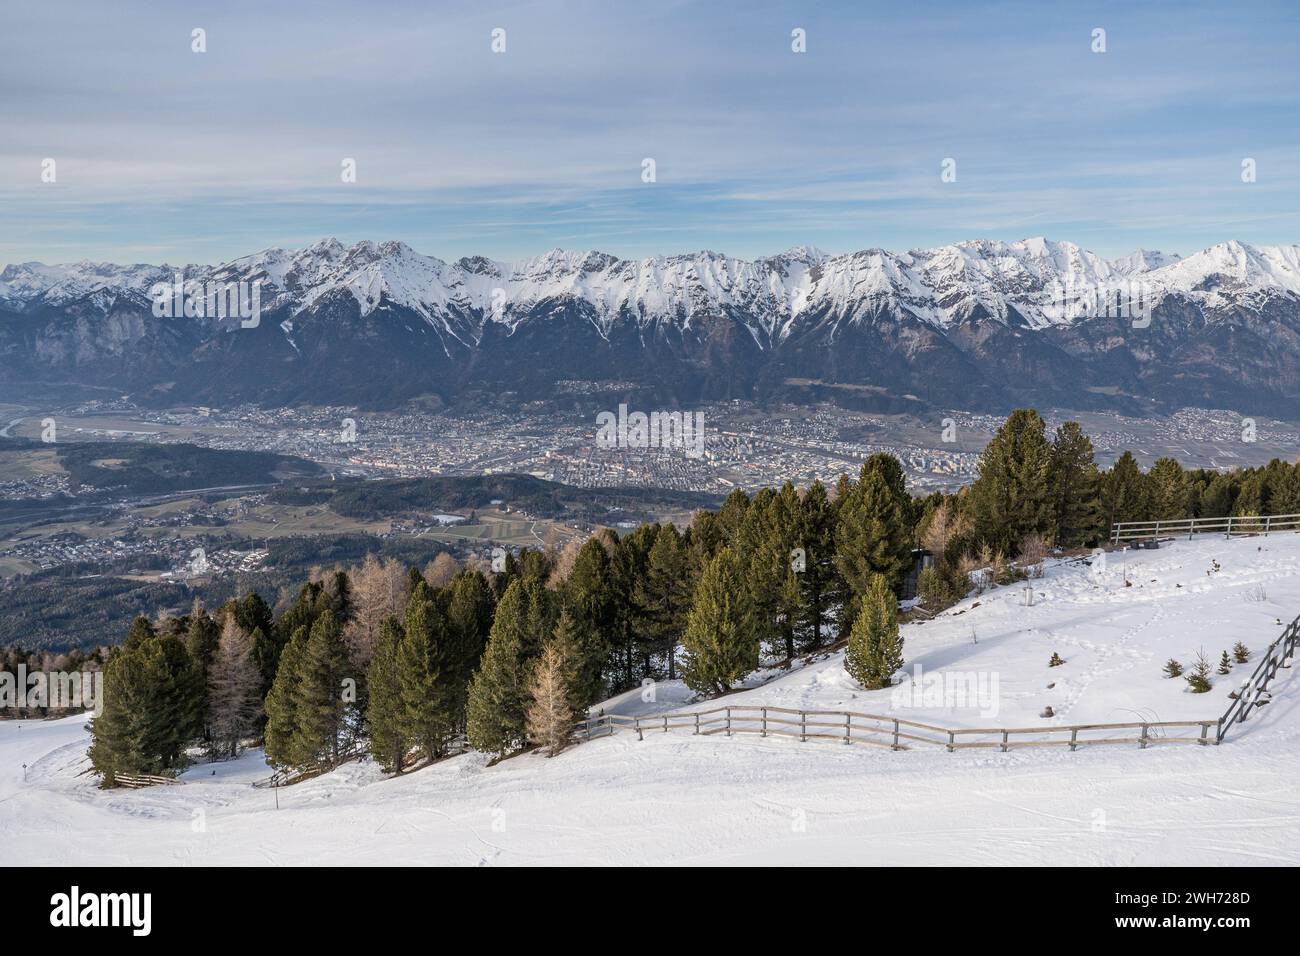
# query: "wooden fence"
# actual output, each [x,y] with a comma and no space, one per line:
[1187,527]
[894,733]
[897,733]
[134,781]
[1254,691]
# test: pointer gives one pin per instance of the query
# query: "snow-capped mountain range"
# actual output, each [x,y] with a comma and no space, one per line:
[804,314]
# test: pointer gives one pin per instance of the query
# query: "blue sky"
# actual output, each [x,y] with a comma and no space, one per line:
[165,154]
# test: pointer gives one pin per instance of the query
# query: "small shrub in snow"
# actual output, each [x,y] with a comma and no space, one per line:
[1173,668]
[1199,677]
[1056,660]
[1225,664]
[1240,653]
[1048,712]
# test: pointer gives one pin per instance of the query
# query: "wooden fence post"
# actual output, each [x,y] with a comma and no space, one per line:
[728,721]
[1143,739]
[848,722]
[952,739]
[1004,741]
[665,723]
[697,722]
[639,735]
[1074,739]
[803,727]
[895,733]
[762,729]
[1205,729]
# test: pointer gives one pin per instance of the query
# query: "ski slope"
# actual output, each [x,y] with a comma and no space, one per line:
[676,799]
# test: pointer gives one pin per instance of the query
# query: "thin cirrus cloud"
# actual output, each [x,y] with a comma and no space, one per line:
[165,153]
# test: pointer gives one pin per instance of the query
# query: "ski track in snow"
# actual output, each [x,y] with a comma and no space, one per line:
[677,799]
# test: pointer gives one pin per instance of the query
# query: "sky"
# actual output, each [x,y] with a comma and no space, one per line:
[162,153]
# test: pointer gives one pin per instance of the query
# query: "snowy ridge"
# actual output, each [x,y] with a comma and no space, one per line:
[1032,280]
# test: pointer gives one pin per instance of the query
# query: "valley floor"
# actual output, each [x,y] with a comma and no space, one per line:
[678,799]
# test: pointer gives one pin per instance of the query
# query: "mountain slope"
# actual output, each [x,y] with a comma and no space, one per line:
[981,324]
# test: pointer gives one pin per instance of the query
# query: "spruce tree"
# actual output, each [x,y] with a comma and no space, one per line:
[469,620]
[1126,494]
[1172,668]
[321,708]
[1012,497]
[1240,653]
[591,599]
[388,740]
[426,675]
[1225,664]
[872,535]
[1170,490]
[664,596]
[720,643]
[1076,487]
[498,692]
[820,582]
[282,706]
[875,649]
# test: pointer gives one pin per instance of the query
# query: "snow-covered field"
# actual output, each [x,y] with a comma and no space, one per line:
[679,799]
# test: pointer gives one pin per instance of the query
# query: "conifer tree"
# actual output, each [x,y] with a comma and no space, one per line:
[321,705]
[591,599]
[820,582]
[720,643]
[875,650]
[664,596]
[1225,664]
[234,688]
[1126,494]
[1012,497]
[1240,653]
[549,716]
[282,706]
[1172,668]
[1076,487]
[498,692]
[385,715]
[1199,676]
[469,619]
[152,704]
[872,535]
[426,675]
[1170,490]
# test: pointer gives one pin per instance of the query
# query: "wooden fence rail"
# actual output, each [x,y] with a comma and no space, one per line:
[1254,690]
[1233,525]
[134,781]
[894,733]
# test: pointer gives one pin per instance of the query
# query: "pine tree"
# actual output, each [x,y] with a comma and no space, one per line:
[720,643]
[549,717]
[1225,664]
[875,649]
[426,676]
[498,692]
[1056,660]
[234,691]
[591,598]
[1076,487]
[1240,653]
[664,596]
[321,704]
[820,581]
[1199,677]
[1170,490]
[469,620]
[388,741]
[873,535]
[1012,497]
[152,704]
[1126,495]
[1172,668]
[282,706]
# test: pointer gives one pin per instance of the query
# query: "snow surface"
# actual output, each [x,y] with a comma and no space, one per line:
[678,799]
